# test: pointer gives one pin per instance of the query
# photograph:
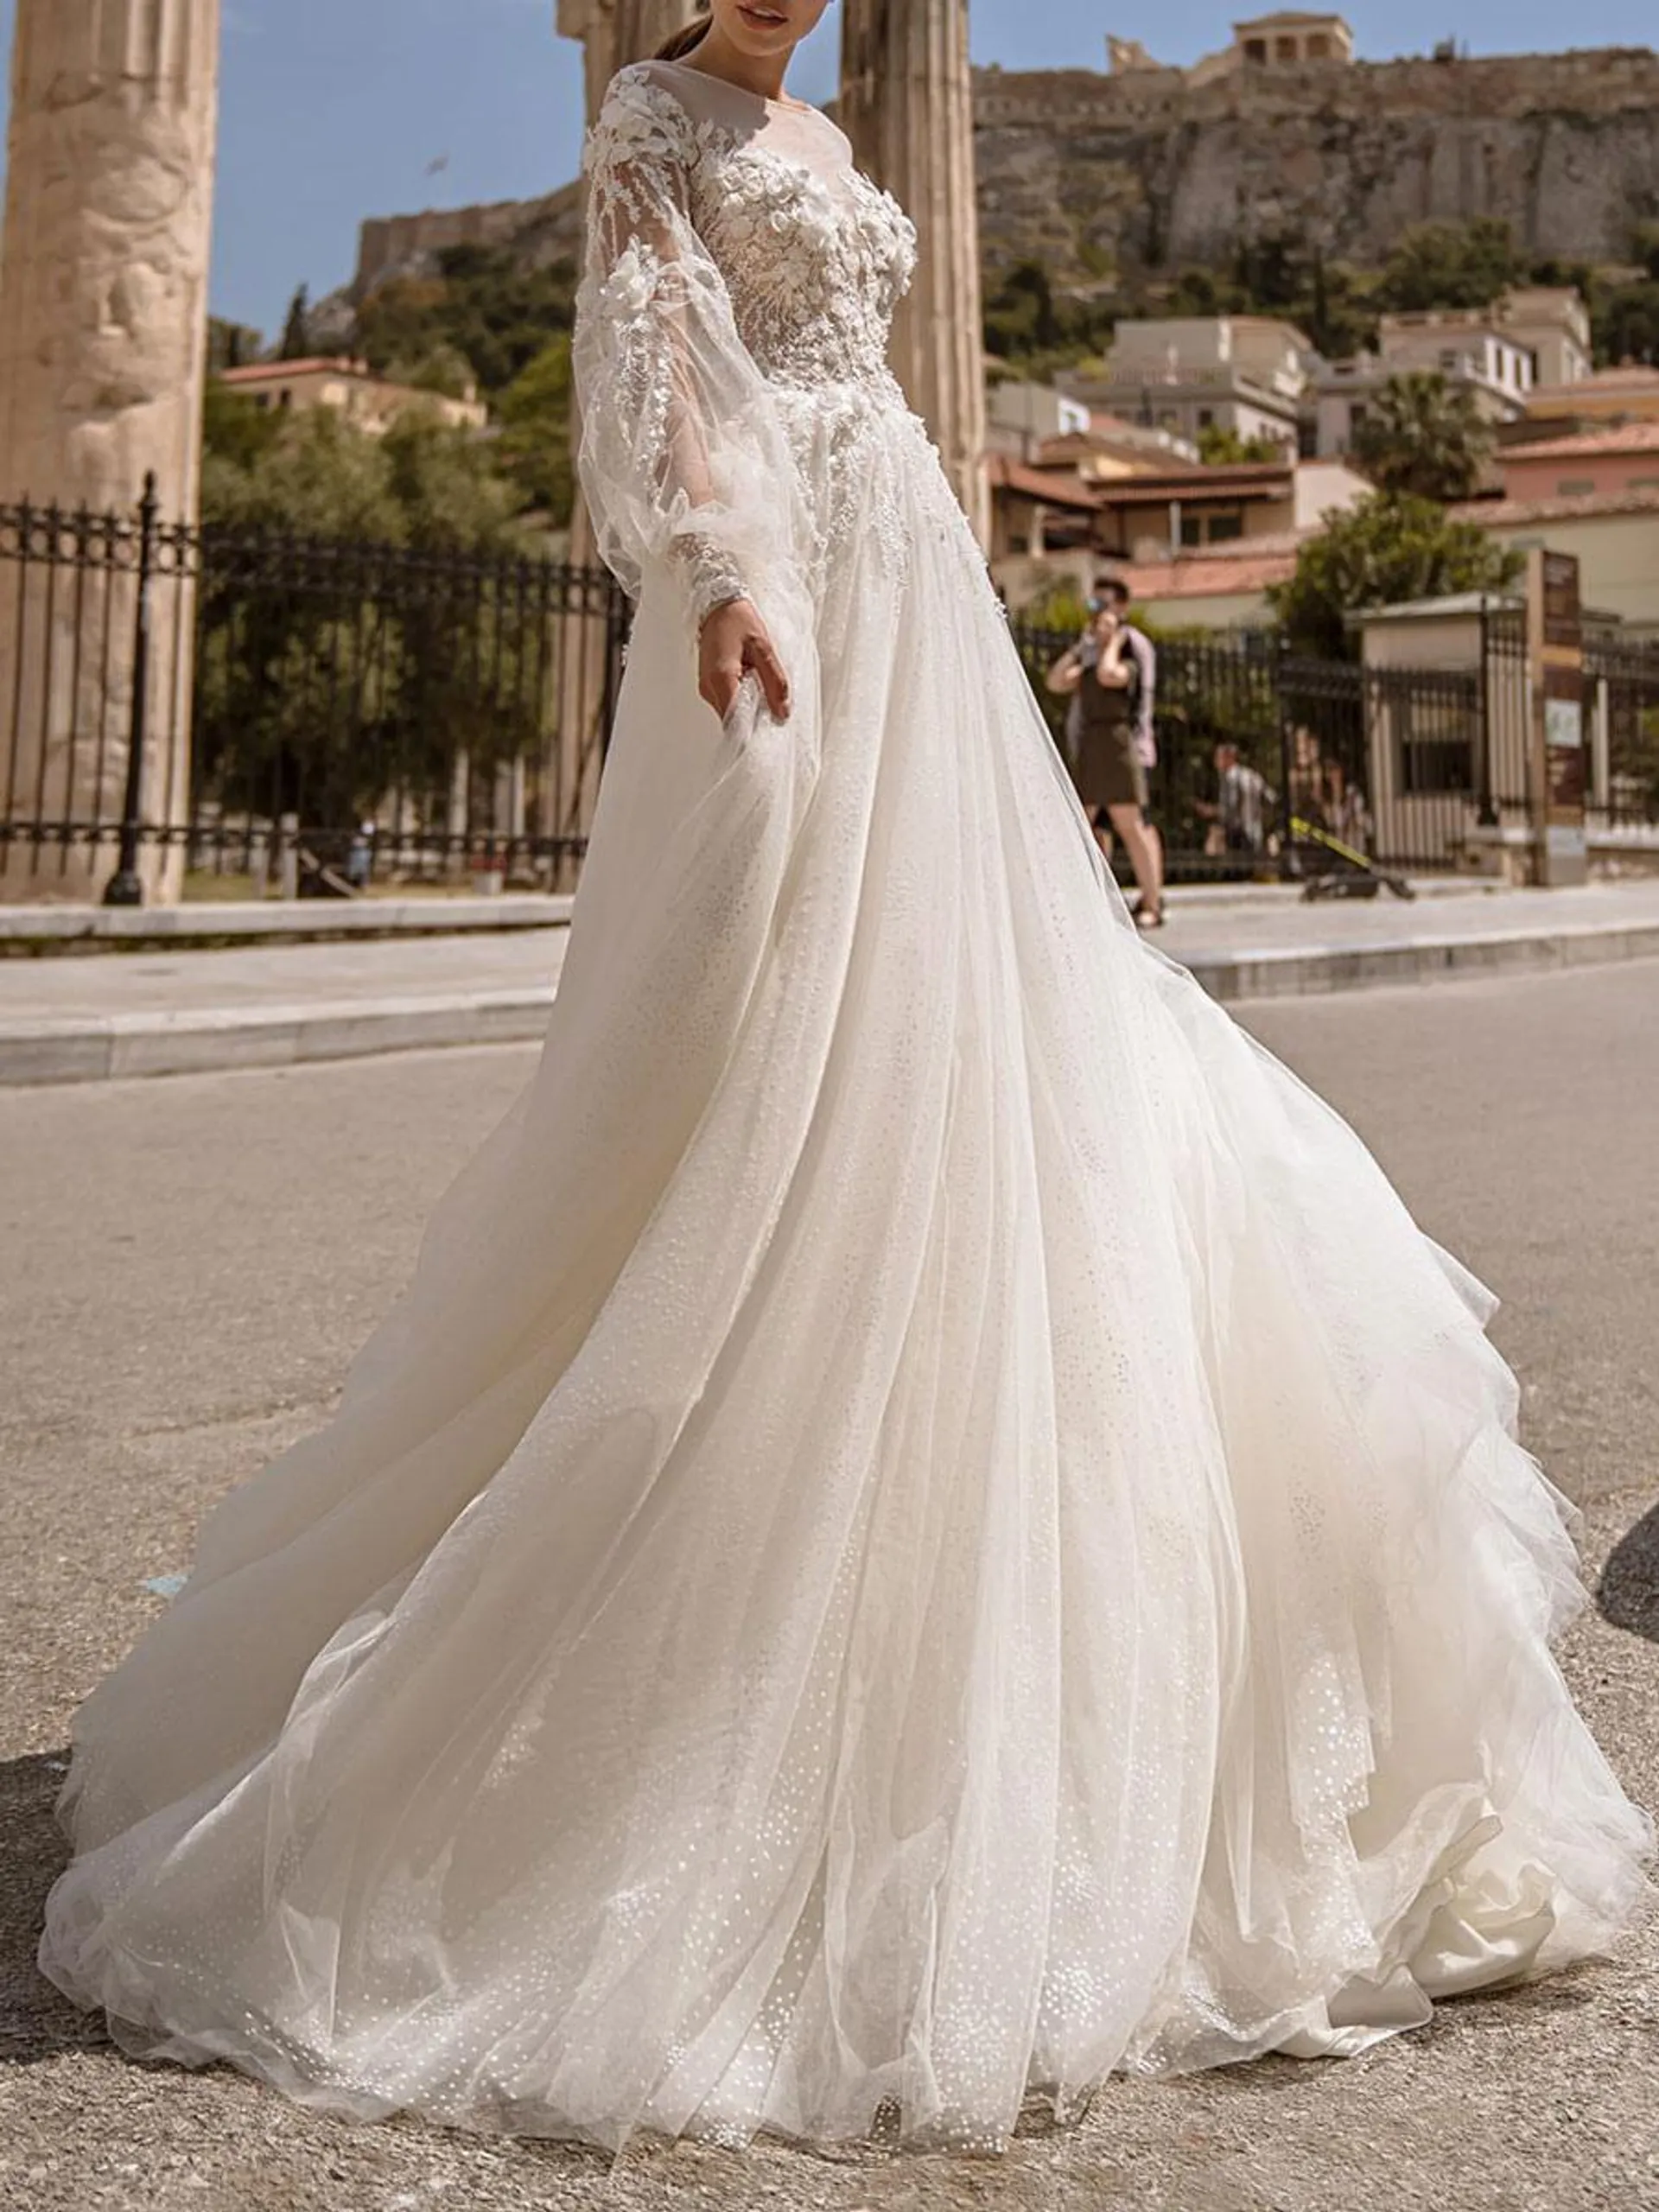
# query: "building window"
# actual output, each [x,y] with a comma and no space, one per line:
[1226,526]
[1192,529]
[1356,416]
[1574,488]
[1255,50]
[1207,417]
[1448,360]
[1284,49]
[1318,47]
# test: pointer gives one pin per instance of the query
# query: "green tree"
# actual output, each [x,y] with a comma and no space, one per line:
[296,331]
[534,445]
[1389,549]
[485,304]
[1625,324]
[231,345]
[1449,265]
[236,431]
[447,489]
[1275,271]
[1020,316]
[428,661]
[439,367]
[1338,313]
[1424,436]
[1221,447]
[309,475]
[1202,292]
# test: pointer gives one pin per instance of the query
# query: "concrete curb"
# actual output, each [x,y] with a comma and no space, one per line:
[109,1047]
[1303,971]
[54,928]
[103,1048]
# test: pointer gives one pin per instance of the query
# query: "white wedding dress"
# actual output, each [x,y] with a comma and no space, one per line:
[928,1528]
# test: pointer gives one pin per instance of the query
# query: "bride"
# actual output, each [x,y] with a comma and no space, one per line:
[928,1528]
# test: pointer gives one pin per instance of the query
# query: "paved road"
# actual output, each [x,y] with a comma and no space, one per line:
[184,1267]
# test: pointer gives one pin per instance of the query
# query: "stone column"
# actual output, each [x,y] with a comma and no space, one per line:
[616,32]
[906,103]
[103,348]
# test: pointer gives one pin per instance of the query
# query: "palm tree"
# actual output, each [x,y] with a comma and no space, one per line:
[1424,438]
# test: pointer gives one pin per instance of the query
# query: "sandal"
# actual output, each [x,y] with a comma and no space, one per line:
[1148,917]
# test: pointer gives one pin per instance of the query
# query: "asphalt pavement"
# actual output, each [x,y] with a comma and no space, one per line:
[185,1269]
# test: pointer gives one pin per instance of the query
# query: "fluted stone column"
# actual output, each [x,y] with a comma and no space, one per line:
[906,102]
[616,32]
[103,348]
[612,32]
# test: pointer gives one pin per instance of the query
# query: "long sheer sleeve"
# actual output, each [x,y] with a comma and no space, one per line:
[683,459]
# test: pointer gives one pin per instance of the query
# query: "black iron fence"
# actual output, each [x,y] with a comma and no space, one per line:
[320,710]
[1411,768]
[320,714]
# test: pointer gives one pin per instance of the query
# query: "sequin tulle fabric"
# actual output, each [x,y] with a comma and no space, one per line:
[928,1528]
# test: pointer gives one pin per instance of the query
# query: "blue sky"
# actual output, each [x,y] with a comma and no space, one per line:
[332,109]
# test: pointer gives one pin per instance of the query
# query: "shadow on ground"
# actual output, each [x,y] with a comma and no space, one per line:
[35,2021]
[1628,1593]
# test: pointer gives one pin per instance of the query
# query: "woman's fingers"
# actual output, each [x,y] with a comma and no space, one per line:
[734,645]
[722,682]
[773,682]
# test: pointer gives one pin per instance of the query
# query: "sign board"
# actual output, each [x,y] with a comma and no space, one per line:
[1556,783]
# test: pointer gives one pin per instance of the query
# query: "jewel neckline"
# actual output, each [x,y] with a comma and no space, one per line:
[784,107]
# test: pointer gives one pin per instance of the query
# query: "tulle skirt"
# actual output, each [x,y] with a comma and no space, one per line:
[927,1529]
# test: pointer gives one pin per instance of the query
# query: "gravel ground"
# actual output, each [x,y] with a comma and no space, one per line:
[184,1267]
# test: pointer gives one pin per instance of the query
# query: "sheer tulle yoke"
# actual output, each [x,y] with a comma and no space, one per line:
[928,1528]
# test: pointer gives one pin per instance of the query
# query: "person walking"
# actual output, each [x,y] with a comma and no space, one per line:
[1102,673]
[1241,817]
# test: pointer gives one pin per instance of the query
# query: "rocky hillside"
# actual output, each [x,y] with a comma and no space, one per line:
[1097,176]
[1104,179]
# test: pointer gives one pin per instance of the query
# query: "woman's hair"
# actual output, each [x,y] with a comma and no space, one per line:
[675,48]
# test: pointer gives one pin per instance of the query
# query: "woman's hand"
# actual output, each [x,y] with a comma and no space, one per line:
[734,644]
[1066,673]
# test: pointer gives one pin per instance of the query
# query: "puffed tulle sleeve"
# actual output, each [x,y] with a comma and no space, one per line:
[684,459]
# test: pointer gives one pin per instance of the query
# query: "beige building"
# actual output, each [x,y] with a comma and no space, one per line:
[1162,515]
[1602,399]
[1614,534]
[1289,39]
[1020,417]
[1553,323]
[1190,374]
[1497,355]
[1222,589]
[1292,39]
[351,390]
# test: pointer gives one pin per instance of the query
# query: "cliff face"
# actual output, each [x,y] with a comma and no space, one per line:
[539,231]
[1148,169]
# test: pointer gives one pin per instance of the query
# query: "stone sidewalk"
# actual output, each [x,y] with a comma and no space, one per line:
[166,1011]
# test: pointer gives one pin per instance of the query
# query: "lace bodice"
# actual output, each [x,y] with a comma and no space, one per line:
[732,332]
[815,256]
